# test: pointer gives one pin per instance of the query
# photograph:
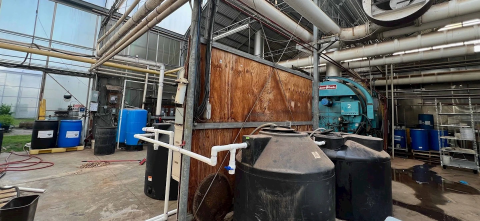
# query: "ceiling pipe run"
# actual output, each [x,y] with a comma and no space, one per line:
[442,77]
[268,10]
[415,57]
[142,12]
[166,9]
[315,15]
[390,47]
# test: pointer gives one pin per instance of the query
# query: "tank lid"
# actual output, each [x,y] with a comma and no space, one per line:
[281,131]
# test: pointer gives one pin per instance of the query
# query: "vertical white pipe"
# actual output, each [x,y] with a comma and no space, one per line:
[121,113]
[145,87]
[160,90]
[169,175]
[393,108]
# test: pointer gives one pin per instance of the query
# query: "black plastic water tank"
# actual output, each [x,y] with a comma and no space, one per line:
[363,176]
[156,168]
[105,140]
[44,134]
[283,175]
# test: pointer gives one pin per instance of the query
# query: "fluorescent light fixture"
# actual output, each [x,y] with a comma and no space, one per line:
[471,42]
[231,32]
[476,48]
[448,45]
[356,59]
[471,22]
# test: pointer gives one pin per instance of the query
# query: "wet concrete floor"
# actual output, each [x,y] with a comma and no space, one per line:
[427,194]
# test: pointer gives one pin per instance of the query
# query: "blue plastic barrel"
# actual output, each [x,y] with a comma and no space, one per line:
[70,133]
[425,121]
[400,138]
[136,120]
[434,141]
[122,126]
[419,139]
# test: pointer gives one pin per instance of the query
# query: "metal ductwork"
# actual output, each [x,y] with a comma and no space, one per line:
[394,12]
[258,46]
[269,11]
[442,77]
[333,71]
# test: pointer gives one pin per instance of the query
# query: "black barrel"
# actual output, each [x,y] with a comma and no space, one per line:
[44,134]
[104,140]
[156,168]
[363,176]
[283,175]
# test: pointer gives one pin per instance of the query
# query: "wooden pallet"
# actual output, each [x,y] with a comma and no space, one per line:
[426,156]
[55,150]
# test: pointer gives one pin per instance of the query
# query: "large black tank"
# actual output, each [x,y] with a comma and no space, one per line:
[283,175]
[156,168]
[363,176]
[105,140]
[44,134]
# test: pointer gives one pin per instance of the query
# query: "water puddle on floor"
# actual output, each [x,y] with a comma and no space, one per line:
[429,188]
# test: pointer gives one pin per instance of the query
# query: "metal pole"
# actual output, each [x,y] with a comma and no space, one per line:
[393,105]
[121,112]
[315,110]
[145,90]
[85,125]
[188,127]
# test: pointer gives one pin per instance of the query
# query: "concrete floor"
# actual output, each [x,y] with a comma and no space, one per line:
[115,192]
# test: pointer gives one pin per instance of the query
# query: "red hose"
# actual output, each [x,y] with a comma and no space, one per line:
[27,166]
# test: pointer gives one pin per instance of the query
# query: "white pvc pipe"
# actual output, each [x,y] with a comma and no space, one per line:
[315,15]
[258,47]
[127,12]
[26,189]
[160,90]
[145,87]
[142,12]
[162,217]
[404,44]
[464,76]
[268,10]
[319,143]
[210,161]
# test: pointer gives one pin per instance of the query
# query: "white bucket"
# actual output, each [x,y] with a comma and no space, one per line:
[446,159]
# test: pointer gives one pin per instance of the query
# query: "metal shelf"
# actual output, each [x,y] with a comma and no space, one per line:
[460,126]
[453,138]
[456,113]
[445,158]
[458,150]
[461,163]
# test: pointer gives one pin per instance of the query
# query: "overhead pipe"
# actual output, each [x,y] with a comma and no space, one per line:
[315,15]
[268,10]
[136,18]
[415,57]
[127,12]
[81,59]
[429,25]
[440,77]
[129,39]
[389,47]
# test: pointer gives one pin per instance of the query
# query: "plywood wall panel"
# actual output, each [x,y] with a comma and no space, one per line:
[236,84]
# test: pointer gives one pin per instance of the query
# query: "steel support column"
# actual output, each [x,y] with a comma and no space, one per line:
[188,126]
[315,93]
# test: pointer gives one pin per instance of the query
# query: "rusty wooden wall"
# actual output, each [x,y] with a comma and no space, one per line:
[244,90]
